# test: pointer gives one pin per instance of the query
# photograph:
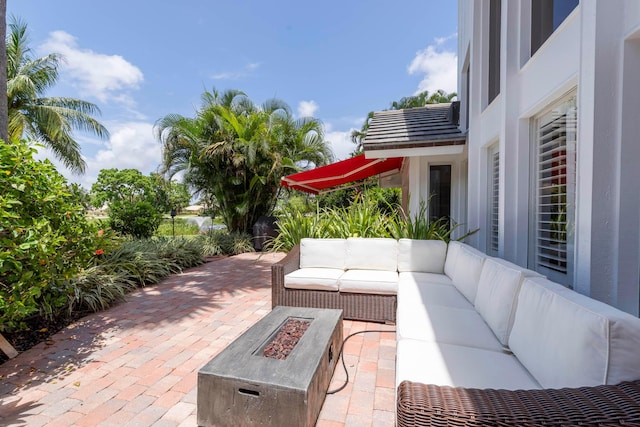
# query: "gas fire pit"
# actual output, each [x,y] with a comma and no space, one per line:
[275,374]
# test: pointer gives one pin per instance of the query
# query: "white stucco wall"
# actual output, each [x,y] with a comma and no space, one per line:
[595,52]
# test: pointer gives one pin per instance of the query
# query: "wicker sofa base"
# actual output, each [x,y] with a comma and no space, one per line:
[365,307]
[429,405]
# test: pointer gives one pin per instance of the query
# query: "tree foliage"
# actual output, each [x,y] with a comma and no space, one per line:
[44,236]
[138,219]
[136,201]
[236,152]
[48,120]
[122,185]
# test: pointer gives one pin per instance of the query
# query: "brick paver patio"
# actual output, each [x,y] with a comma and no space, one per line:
[136,364]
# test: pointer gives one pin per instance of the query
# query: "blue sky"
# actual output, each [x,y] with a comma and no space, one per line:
[139,60]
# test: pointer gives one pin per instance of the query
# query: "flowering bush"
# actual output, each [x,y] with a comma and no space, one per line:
[44,237]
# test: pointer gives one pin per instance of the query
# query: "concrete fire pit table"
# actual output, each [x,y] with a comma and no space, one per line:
[242,387]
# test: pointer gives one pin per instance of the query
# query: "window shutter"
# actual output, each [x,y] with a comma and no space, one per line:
[494,196]
[555,193]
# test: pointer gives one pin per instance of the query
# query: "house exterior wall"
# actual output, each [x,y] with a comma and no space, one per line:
[594,53]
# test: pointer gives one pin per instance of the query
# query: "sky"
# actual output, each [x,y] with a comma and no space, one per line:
[139,60]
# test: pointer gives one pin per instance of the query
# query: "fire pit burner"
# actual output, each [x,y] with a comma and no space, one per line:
[286,339]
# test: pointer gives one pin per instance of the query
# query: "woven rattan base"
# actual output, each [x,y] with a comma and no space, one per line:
[430,405]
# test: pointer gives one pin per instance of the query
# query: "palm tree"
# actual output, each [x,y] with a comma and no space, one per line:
[237,151]
[419,100]
[4,132]
[49,120]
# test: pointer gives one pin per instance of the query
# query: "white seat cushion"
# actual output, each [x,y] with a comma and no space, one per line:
[426,256]
[459,366]
[320,279]
[418,278]
[432,294]
[444,325]
[497,296]
[466,273]
[369,282]
[566,339]
[372,254]
[323,253]
[453,248]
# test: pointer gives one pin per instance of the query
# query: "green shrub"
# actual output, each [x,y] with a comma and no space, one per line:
[137,219]
[221,242]
[45,239]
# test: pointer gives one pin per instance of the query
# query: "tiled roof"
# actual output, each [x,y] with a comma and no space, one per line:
[429,126]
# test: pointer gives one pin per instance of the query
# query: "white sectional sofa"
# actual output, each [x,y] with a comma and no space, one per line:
[469,321]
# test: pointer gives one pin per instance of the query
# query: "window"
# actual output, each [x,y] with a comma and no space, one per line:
[546,17]
[440,192]
[554,191]
[495,7]
[493,200]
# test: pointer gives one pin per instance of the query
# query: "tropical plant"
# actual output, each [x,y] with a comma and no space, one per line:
[364,218]
[419,100]
[223,243]
[44,236]
[122,269]
[236,152]
[48,120]
[4,125]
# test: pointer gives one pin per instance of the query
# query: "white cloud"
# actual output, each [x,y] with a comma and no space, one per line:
[238,74]
[131,146]
[340,142]
[105,77]
[307,108]
[439,66]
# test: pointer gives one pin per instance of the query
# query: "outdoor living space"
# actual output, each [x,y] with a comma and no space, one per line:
[137,363]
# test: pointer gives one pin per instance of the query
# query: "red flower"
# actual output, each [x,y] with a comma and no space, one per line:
[100,233]
[99,252]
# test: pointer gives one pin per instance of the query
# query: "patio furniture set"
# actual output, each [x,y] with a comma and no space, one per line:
[480,341]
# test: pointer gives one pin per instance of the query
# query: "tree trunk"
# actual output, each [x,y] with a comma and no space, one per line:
[4,110]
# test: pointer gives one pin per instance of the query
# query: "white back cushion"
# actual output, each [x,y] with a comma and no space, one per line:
[466,273]
[497,296]
[453,248]
[569,340]
[372,254]
[426,256]
[323,253]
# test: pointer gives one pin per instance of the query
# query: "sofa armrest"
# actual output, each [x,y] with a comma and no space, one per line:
[288,264]
[431,405]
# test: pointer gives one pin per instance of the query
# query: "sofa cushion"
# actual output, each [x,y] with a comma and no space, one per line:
[466,273]
[453,248]
[424,278]
[427,256]
[430,293]
[459,366]
[525,271]
[320,279]
[323,253]
[372,254]
[497,296]
[566,339]
[369,282]
[444,325]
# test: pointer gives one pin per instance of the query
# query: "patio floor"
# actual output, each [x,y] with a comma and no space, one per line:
[136,364]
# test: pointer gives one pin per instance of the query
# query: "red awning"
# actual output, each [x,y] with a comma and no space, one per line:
[353,169]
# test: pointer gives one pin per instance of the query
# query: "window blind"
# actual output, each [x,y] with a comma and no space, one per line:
[494,194]
[555,192]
